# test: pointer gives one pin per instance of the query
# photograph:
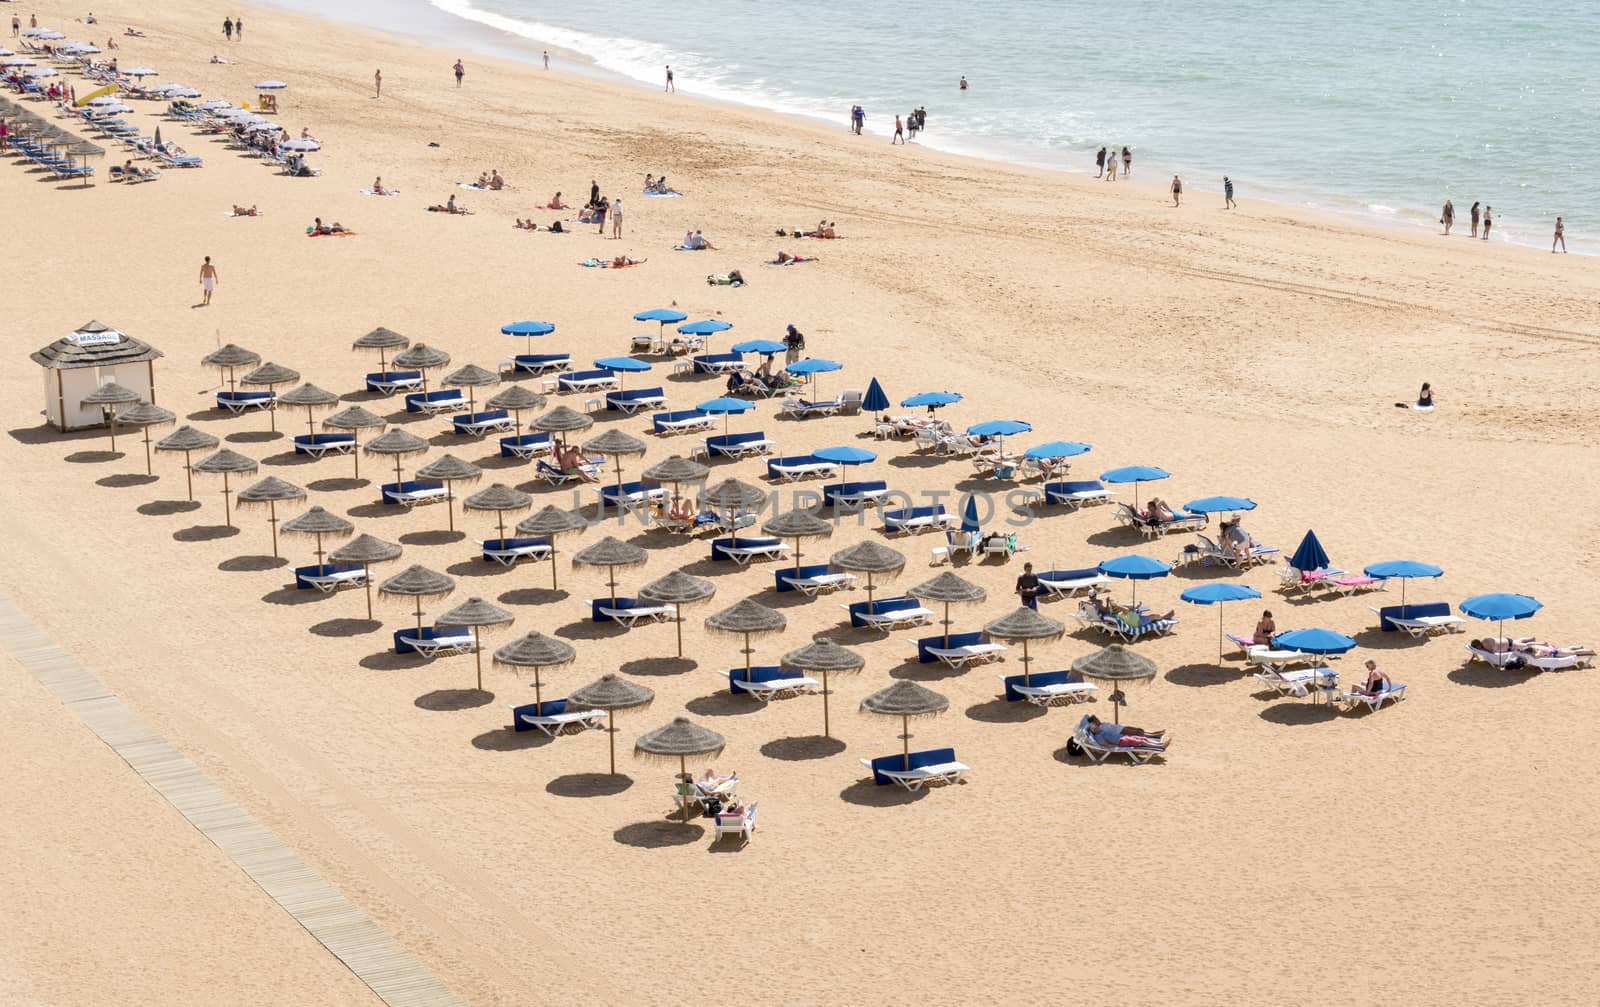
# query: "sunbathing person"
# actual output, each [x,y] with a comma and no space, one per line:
[1123,735]
[1157,511]
[1551,650]
[377,187]
[624,261]
[448,207]
[1265,630]
[318,227]
[556,203]
[697,241]
[784,258]
[495,181]
[1500,644]
[1377,681]
[681,510]
[238,211]
[483,180]
[649,182]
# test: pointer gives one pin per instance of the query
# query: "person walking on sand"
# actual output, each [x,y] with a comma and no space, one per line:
[208,280]
[1560,238]
[1111,167]
[227,28]
[1127,164]
[377,83]
[1488,221]
[1227,194]
[671,87]
[616,218]
[1177,190]
[899,132]
[1447,216]
[1475,220]
[16,26]
[547,59]
[1100,162]
[460,70]
[238,29]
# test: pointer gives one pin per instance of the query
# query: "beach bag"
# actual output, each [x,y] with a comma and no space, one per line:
[1073,748]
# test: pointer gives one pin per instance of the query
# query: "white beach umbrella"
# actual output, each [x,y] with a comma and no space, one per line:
[271,85]
[41,71]
[103,101]
[264,127]
[215,105]
[301,145]
[17,61]
[142,71]
[6,52]
[50,34]
[183,92]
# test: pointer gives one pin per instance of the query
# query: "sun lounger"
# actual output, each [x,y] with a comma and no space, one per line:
[179,161]
[1265,656]
[506,551]
[888,613]
[796,467]
[1559,662]
[958,649]
[541,363]
[480,423]
[1498,658]
[1357,699]
[1077,494]
[317,445]
[1348,584]
[556,477]
[1048,688]
[1124,628]
[632,497]
[554,718]
[769,682]
[435,402]
[812,580]
[628,611]
[413,491]
[1418,621]
[1100,753]
[737,445]
[743,550]
[389,382]
[1298,682]
[586,381]
[681,421]
[434,641]
[1292,580]
[742,825]
[918,769]
[914,520]
[525,446]
[237,402]
[718,363]
[1068,583]
[853,496]
[635,399]
[800,408]
[329,577]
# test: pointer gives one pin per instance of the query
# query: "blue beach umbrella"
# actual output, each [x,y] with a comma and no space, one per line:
[999,428]
[1217,593]
[725,406]
[1056,449]
[969,515]
[1215,505]
[844,455]
[1135,474]
[1310,556]
[662,317]
[706,327]
[528,329]
[1404,570]
[1500,607]
[622,365]
[812,366]
[1314,641]
[765,347]
[1135,568]
[932,400]
[875,401]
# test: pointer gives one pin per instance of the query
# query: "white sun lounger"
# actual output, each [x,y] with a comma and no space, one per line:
[606,383]
[1298,682]
[858,500]
[388,386]
[1070,588]
[1557,662]
[972,653]
[743,826]
[1056,694]
[671,427]
[742,555]
[410,498]
[328,583]
[433,407]
[897,619]
[1079,498]
[509,557]
[482,427]
[1100,753]
[822,583]
[459,642]
[805,470]
[317,449]
[630,617]
[917,525]
[915,779]
[1426,625]
[569,722]
[238,406]
[528,452]
[744,449]
[1268,657]
[1356,699]
[630,406]
[776,688]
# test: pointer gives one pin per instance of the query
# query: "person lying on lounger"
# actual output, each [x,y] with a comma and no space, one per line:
[1107,607]
[571,462]
[1158,511]
[1124,735]
[681,510]
[238,211]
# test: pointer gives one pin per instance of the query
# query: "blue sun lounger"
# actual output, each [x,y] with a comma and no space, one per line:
[539,363]
[525,446]
[237,402]
[389,382]
[918,769]
[554,717]
[317,445]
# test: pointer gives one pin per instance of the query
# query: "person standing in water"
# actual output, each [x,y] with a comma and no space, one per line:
[1560,238]
[1447,216]
[1475,214]
[1227,194]
[670,85]
[1177,190]
[1488,221]
[1127,164]
[547,59]
[899,132]
[1100,162]
[461,71]
[963,83]
[208,280]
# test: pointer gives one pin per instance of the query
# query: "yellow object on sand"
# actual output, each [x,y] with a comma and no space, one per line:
[92,95]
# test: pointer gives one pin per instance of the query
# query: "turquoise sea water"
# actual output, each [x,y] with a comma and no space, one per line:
[1376,108]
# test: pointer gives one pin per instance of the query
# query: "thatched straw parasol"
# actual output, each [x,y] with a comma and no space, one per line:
[872,559]
[398,443]
[514,400]
[477,613]
[422,358]
[499,498]
[1115,663]
[905,699]
[319,522]
[449,470]
[366,550]
[616,445]
[226,463]
[674,471]
[548,523]
[269,376]
[313,398]
[418,582]
[948,589]
[187,439]
[471,377]
[354,420]
[731,494]
[823,656]
[1022,626]
[798,525]
[146,416]
[747,618]
[383,341]
[227,359]
[612,693]
[679,740]
[108,397]
[271,491]
[561,421]
[610,552]
[678,589]
[535,651]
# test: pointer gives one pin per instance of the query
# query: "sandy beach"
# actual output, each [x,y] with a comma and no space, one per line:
[1441,850]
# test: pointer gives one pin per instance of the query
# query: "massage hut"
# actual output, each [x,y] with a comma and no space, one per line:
[81,361]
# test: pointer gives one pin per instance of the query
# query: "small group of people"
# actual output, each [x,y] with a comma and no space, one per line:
[714,792]
[571,461]
[318,227]
[762,379]
[858,119]
[448,206]
[233,28]
[1529,646]
[1484,216]
[1105,163]
[658,186]
[694,241]
[1107,607]
[490,180]
[238,211]
[1235,541]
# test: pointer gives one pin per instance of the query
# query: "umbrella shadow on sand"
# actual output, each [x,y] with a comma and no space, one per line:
[204,533]
[589,785]
[723,704]
[658,666]
[345,627]
[291,595]
[803,748]
[915,671]
[166,508]
[658,835]
[588,629]
[1002,711]
[251,564]
[1490,678]
[368,510]
[126,480]
[453,700]
[93,457]
[1202,676]
[337,485]
[438,536]
[474,567]
[388,660]
[1299,714]
[867,794]
[253,436]
[533,596]
[503,739]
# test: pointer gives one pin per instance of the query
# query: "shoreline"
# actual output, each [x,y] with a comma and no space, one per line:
[484,34]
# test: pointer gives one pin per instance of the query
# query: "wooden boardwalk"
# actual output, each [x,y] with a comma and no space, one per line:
[397,978]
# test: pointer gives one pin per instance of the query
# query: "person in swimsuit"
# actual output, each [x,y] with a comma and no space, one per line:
[1377,682]
[1127,163]
[377,187]
[899,132]
[1488,221]
[1265,628]
[1560,238]
[1177,190]
[1227,194]
[556,203]
[1447,216]
[461,72]
[208,280]
[1425,397]
[377,83]
[963,83]
[1100,162]
[670,85]
[1475,214]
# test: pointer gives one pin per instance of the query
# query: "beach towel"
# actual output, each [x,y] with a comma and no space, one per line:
[606,264]
[473,185]
[386,192]
[659,195]
[725,280]
[258,213]
[458,212]
[310,233]
[686,248]
[794,261]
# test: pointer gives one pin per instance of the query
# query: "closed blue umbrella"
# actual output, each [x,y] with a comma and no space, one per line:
[765,347]
[875,401]
[1404,570]
[932,400]
[723,407]
[1500,607]
[1056,449]
[1217,593]
[969,515]
[1135,568]
[1135,474]
[1222,504]
[1310,556]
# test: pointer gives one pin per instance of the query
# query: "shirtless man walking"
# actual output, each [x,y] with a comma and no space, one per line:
[208,280]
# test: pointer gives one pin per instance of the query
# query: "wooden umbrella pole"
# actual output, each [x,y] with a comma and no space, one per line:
[366,581]
[147,469]
[419,616]
[538,690]
[227,514]
[552,563]
[272,410]
[188,475]
[113,412]
[272,520]
[1025,665]
[746,657]
[477,652]
[683,786]
[611,736]
[905,739]
[449,504]
[355,451]
[825,703]
[947,625]
[677,612]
